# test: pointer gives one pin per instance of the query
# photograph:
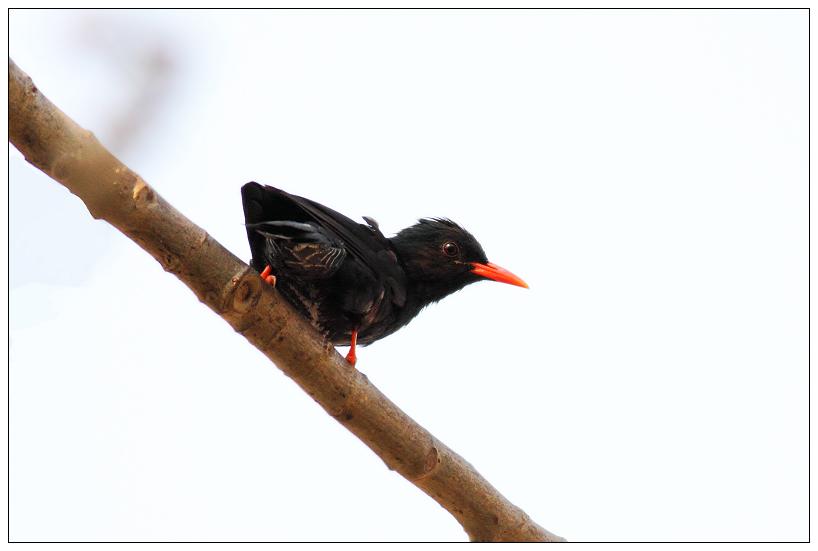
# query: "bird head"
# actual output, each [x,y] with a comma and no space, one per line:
[444,257]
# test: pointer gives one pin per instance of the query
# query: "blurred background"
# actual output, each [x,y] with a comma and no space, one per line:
[644,171]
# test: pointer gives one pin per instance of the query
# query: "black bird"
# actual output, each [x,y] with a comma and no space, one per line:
[354,284]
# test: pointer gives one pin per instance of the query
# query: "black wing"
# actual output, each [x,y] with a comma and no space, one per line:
[303,249]
[320,237]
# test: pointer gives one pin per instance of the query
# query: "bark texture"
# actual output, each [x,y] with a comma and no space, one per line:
[55,144]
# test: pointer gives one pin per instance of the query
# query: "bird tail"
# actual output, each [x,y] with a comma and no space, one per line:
[271,212]
[256,200]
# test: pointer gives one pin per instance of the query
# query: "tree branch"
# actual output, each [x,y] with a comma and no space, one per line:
[55,144]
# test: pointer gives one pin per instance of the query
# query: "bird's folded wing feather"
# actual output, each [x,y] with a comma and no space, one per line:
[328,229]
[303,248]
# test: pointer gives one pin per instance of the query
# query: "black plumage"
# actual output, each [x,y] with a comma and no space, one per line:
[349,279]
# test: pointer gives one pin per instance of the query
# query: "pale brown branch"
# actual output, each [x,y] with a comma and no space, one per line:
[56,145]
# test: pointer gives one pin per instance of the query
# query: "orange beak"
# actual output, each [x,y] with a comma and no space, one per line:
[496,273]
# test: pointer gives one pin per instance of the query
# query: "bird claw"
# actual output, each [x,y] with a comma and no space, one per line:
[268,276]
[353,340]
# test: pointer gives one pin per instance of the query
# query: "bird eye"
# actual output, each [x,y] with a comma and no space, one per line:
[450,248]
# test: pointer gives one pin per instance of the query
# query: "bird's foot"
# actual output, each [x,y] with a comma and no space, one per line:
[351,357]
[267,275]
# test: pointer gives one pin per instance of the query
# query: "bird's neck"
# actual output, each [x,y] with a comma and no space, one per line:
[423,285]
[421,293]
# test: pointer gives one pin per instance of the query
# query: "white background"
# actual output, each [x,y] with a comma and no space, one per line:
[644,171]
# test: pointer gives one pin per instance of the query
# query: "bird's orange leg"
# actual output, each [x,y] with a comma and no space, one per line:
[267,275]
[351,358]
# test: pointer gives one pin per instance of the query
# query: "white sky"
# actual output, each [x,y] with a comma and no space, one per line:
[644,172]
